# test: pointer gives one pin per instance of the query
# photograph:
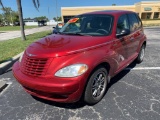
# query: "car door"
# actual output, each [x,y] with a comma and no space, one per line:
[121,44]
[135,36]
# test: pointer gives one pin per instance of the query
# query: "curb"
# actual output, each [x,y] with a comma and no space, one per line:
[6,65]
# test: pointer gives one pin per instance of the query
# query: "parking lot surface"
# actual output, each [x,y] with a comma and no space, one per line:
[134,94]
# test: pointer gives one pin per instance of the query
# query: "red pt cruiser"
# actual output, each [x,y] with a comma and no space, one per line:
[82,57]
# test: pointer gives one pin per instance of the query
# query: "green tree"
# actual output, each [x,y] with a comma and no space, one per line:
[6,15]
[19,5]
[9,16]
[113,4]
[27,18]
[41,18]
[15,17]
[57,18]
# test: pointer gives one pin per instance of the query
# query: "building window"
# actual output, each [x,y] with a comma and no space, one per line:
[146,15]
[156,15]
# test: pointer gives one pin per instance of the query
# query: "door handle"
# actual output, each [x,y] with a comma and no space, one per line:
[131,38]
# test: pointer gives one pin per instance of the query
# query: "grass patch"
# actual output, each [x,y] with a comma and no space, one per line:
[14,28]
[12,47]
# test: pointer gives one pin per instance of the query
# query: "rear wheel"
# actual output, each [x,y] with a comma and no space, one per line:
[141,54]
[96,86]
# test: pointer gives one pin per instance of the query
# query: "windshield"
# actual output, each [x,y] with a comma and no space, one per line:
[93,24]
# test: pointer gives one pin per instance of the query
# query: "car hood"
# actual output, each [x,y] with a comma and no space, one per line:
[60,45]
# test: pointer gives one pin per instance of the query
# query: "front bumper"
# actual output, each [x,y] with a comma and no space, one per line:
[54,89]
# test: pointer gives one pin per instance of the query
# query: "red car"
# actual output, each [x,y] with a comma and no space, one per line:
[79,61]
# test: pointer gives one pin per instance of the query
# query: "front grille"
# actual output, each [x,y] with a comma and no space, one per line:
[34,66]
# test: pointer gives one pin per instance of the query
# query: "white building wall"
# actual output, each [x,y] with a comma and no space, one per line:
[51,22]
[31,23]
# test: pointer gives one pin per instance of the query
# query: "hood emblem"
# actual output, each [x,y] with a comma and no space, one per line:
[30,55]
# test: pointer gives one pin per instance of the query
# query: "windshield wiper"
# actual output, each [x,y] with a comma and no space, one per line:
[80,34]
[60,32]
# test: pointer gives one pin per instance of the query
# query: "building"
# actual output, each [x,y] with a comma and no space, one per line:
[30,22]
[34,22]
[147,11]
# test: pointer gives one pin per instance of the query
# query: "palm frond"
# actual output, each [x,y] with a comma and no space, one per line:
[36,4]
[1,4]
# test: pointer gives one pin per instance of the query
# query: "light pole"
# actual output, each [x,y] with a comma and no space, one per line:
[11,17]
[56,8]
[49,15]
[56,12]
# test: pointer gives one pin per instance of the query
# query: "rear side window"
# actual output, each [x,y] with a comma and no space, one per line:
[139,21]
[134,23]
[122,23]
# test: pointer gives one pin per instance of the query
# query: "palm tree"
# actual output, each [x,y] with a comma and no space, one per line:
[19,5]
[1,4]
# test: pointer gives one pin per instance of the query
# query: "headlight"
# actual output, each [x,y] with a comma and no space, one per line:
[20,59]
[72,70]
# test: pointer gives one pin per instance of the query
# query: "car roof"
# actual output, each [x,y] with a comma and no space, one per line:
[110,12]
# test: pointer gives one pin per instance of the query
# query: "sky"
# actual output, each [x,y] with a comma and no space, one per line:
[48,7]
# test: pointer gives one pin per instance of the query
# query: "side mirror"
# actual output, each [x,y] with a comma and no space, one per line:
[124,32]
[53,27]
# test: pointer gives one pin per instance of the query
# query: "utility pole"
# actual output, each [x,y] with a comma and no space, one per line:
[49,15]
[57,11]
[11,17]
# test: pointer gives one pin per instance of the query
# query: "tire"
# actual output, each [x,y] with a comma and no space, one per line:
[96,86]
[141,54]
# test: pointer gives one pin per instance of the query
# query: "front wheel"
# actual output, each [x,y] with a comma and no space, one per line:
[96,86]
[141,54]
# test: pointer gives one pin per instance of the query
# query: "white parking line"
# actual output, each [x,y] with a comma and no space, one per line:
[8,85]
[143,68]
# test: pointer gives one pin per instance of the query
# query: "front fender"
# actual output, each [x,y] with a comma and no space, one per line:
[92,58]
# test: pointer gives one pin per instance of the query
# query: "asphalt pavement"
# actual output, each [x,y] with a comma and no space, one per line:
[7,35]
[134,94]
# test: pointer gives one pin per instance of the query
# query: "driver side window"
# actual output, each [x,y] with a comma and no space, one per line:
[122,23]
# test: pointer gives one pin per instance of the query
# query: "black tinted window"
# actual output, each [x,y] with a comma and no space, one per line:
[91,24]
[139,21]
[122,23]
[134,24]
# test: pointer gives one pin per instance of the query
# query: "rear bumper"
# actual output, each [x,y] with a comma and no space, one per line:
[55,89]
